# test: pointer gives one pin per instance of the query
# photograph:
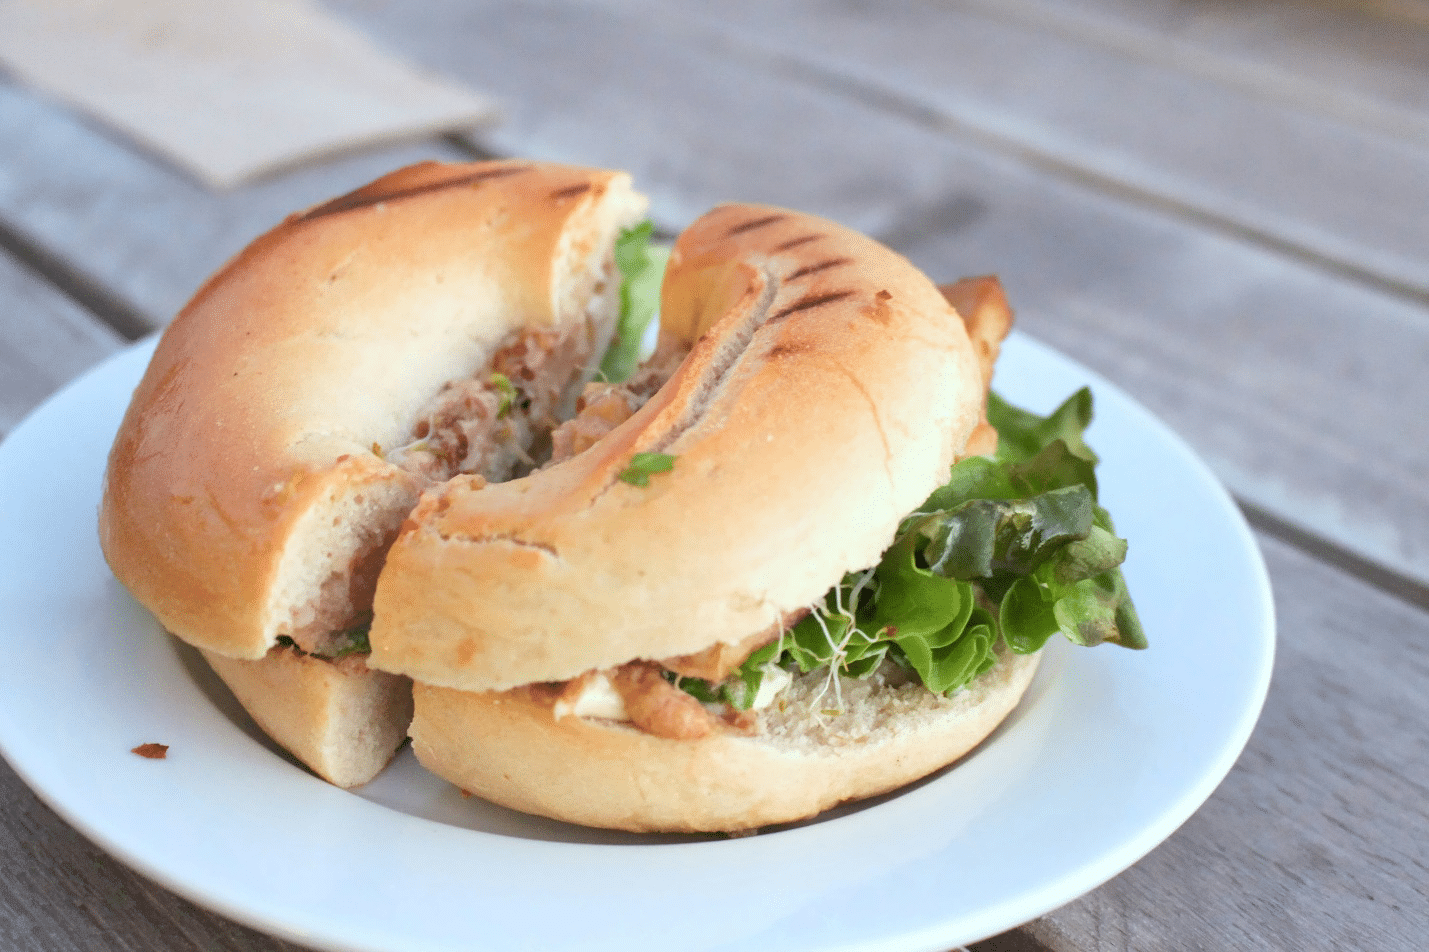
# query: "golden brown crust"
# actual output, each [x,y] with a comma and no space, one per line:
[828,389]
[248,494]
[320,341]
[983,306]
[509,748]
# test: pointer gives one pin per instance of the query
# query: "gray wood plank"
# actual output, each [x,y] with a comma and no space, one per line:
[698,127]
[1305,394]
[151,236]
[1319,838]
[137,226]
[695,125]
[1131,120]
[1364,61]
[45,339]
[1302,387]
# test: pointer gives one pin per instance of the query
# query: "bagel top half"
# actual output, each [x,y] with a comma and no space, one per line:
[248,478]
[828,389]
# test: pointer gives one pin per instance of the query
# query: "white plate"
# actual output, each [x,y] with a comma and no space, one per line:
[1110,752]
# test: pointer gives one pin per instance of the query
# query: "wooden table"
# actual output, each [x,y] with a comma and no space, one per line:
[1224,207]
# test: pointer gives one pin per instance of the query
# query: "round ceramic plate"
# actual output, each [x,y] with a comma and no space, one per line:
[1110,751]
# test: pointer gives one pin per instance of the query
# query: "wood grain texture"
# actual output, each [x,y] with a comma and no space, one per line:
[1223,213]
[45,340]
[150,236]
[135,225]
[1304,393]
[1126,117]
[1362,61]
[1289,362]
[694,124]
[1319,838]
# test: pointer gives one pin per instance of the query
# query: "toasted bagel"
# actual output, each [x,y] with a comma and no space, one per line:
[827,390]
[250,494]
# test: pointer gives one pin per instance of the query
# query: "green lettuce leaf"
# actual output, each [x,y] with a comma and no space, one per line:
[355,641]
[1022,435]
[984,538]
[507,389]
[740,689]
[965,655]
[1013,549]
[350,641]
[642,269]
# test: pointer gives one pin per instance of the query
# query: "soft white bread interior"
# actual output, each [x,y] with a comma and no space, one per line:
[828,390]
[248,478]
[340,718]
[509,748]
[250,494]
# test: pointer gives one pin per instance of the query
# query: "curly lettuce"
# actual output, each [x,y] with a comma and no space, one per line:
[1014,548]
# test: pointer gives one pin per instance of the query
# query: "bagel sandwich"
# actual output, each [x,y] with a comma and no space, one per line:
[441,320]
[801,557]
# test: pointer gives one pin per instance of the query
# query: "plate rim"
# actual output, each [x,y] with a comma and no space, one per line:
[990,921]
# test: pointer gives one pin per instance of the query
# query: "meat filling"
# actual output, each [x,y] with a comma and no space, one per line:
[496,423]
[640,692]
[657,707]
[604,406]
[720,660]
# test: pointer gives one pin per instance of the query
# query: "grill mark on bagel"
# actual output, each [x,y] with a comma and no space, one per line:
[729,354]
[808,304]
[570,191]
[807,270]
[783,350]
[362,198]
[754,224]
[720,366]
[797,242]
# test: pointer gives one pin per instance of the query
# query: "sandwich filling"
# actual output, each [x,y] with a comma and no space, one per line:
[493,424]
[1012,550]
[523,409]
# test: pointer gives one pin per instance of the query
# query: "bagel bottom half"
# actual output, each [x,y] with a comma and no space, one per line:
[341,718]
[510,748]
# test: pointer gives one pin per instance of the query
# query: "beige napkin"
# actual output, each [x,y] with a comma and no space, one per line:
[228,89]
